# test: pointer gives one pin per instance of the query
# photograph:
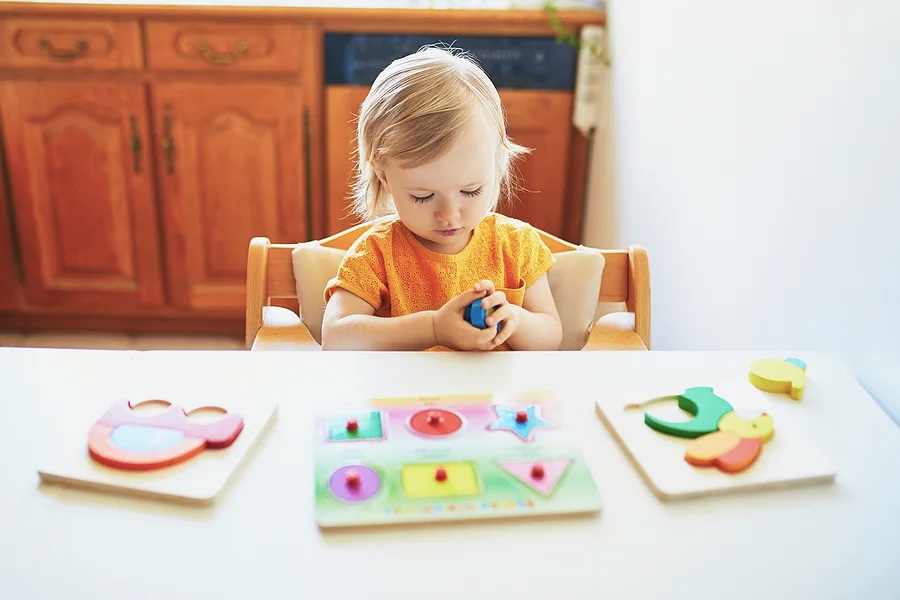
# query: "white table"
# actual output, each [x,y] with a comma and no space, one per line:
[839,540]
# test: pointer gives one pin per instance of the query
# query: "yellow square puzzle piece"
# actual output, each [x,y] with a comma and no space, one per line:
[423,481]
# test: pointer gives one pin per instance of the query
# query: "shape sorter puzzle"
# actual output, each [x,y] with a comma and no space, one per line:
[158,448]
[448,458]
[694,437]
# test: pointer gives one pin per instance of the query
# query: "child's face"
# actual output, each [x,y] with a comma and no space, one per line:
[443,201]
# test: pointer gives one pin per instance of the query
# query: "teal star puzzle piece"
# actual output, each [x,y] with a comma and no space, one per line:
[506,421]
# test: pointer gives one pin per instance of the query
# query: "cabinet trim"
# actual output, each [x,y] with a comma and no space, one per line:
[492,21]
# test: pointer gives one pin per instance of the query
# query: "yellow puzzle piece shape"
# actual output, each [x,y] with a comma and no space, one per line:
[762,426]
[779,376]
[421,480]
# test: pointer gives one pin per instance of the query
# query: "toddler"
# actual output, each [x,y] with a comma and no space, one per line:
[434,159]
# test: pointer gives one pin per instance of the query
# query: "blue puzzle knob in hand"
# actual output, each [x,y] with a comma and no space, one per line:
[476,314]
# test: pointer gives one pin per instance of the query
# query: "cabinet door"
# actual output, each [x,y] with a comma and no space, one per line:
[232,165]
[9,280]
[82,193]
[341,109]
[540,120]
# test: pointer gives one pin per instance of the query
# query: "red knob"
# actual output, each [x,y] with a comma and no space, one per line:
[521,416]
[434,418]
[352,425]
[440,474]
[352,479]
[537,471]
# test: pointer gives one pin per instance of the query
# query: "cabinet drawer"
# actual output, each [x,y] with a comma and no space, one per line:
[70,43]
[200,45]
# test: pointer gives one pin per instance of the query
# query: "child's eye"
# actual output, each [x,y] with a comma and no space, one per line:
[421,199]
[473,193]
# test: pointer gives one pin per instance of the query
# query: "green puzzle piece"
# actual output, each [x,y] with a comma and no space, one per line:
[707,408]
[368,427]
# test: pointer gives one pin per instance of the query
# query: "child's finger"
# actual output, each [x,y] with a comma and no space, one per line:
[463,300]
[495,299]
[485,285]
[484,338]
[498,316]
[502,335]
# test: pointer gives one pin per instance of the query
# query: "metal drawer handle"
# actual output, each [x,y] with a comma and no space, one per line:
[167,143]
[225,58]
[81,47]
[136,144]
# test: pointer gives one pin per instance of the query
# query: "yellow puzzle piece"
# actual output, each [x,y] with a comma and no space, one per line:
[439,480]
[779,376]
[762,426]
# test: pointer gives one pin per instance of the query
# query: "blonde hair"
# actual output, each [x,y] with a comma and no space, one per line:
[414,112]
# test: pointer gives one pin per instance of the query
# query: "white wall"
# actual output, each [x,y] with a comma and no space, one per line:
[756,154]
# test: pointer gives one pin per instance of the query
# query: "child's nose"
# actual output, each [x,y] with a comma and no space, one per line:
[447,210]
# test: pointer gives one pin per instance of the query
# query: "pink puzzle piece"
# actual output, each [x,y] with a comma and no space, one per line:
[543,479]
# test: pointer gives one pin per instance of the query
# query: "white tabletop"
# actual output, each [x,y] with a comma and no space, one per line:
[260,540]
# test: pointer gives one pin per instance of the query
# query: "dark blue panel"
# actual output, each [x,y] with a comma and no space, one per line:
[537,63]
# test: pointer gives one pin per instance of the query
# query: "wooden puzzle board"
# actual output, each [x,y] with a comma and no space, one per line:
[787,459]
[199,479]
[487,459]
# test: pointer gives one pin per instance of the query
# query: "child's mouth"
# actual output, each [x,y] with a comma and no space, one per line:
[449,232]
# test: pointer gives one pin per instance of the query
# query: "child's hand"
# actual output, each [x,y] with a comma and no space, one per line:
[452,330]
[506,317]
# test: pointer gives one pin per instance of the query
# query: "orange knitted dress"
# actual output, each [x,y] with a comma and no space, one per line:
[391,270]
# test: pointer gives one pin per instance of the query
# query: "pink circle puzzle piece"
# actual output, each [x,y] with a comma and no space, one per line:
[354,483]
[126,439]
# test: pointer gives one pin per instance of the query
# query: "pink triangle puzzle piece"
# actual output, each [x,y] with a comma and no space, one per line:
[542,476]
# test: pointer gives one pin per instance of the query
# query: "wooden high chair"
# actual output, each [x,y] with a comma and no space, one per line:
[270,275]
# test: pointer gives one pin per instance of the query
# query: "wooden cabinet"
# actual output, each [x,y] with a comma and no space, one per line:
[234,47]
[82,193]
[9,272]
[231,166]
[142,147]
[539,120]
[58,44]
[341,109]
[118,214]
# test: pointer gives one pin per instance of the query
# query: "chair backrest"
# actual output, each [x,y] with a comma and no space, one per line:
[270,275]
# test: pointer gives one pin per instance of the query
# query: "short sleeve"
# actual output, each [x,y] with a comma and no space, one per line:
[535,258]
[362,273]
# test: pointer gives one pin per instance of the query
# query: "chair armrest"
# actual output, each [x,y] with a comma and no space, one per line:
[614,331]
[282,329]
